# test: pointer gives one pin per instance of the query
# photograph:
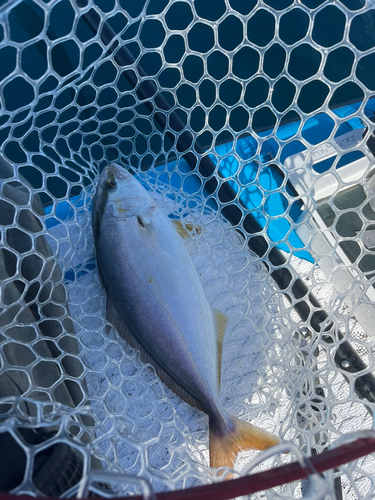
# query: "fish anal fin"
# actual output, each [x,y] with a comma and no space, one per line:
[221,323]
[186,230]
[118,321]
[245,436]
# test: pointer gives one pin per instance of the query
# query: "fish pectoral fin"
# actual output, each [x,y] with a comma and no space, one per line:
[119,322]
[143,222]
[186,230]
[224,447]
[221,323]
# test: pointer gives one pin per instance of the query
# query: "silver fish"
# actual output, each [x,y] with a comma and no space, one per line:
[156,302]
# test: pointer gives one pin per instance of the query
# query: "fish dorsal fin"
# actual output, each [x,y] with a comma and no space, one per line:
[186,230]
[118,321]
[221,323]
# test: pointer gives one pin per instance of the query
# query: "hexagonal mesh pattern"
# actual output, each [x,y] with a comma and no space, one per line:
[255,121]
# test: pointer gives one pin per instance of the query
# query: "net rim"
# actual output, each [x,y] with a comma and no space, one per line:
[334,457]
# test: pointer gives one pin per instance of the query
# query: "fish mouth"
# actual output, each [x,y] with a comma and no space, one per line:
[114,171]
[119,187]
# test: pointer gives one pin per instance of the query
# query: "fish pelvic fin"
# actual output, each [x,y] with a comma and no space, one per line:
[187,229]
[245,436]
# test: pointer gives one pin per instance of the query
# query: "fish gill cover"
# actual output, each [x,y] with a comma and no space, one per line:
[252,122]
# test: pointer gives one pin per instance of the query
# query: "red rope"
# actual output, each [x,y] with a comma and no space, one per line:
[262,480]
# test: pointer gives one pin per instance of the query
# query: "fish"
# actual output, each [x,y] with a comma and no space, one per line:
[156,302]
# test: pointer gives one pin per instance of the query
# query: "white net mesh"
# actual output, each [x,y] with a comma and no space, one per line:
[255,116]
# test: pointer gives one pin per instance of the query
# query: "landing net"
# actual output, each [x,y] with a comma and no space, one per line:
[252,120]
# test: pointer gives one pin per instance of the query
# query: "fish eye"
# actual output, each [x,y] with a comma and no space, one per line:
[110,184]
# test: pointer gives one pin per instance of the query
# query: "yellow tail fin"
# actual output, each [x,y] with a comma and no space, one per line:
[224,449]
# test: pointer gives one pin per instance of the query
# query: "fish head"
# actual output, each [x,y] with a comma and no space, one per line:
[119,194]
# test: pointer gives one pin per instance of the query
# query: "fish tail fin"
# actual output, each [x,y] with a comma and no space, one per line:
[224,448]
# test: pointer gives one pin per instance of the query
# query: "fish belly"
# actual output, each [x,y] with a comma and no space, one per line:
[152,283]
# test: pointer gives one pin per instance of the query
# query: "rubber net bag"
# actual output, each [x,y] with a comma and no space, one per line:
[253,122]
